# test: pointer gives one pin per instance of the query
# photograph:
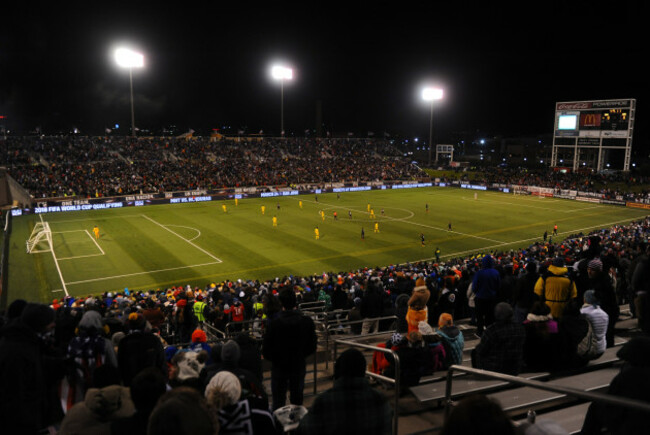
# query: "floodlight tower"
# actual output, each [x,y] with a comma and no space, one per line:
[129,59]
[431,94]
[281,73]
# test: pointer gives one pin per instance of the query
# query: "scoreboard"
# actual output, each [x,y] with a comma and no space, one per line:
[593,133]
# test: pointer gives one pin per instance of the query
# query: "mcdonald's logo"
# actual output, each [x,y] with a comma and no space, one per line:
[590,120]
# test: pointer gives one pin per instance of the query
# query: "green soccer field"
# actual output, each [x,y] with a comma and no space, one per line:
[159,246]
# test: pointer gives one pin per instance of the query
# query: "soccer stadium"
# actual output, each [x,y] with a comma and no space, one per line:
[201,268]
[471,263]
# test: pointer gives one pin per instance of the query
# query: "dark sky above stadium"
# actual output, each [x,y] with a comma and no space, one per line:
[502,65]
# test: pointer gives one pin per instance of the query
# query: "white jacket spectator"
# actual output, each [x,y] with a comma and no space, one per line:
[597,317]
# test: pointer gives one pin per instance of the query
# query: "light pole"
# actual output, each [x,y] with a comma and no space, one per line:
[281,73]
[129,59]
[431,94]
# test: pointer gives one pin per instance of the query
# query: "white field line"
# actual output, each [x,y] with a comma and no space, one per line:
[81,256]
[198,232]
[95,241]
[182,238]
[56,262]
[455,254]
[516,204]
[410,223]
[65,221]
[105,278]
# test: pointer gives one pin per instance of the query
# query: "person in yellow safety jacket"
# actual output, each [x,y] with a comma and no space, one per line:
[199,309]
[556,287]
[258,307]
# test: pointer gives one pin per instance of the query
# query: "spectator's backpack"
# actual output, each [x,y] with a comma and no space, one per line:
[588,347]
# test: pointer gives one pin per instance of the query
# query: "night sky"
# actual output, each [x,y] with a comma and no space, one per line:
[502,66]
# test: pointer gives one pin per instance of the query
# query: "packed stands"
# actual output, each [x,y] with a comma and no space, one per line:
[178,322]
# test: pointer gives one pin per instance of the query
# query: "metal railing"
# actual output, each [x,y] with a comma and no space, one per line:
[253,327]
[590,396]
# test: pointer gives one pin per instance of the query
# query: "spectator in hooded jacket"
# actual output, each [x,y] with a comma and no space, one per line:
[106,402]
[541,345]
[604,292]
[556,287]
[485,286]
[597,317]
[452,340]
[502,344]
[88,350]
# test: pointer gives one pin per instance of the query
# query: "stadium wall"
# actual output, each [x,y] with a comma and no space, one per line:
[53,205]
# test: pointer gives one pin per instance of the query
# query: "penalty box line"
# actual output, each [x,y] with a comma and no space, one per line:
[106,278]
[82,256]
[218,260]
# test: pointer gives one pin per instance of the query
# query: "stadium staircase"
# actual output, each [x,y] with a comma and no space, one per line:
[421,409]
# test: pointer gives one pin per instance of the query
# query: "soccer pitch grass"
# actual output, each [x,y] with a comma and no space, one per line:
[164,245]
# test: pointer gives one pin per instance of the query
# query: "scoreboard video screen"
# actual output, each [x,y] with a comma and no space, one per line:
[592,116]
[593,134]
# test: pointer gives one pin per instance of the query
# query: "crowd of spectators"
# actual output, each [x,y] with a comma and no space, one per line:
[99,167]
[612,185]
[81,361]
[108,166]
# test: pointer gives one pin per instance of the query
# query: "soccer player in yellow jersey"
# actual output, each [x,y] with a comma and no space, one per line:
[224,208]
[376,227]
[372,213]
[322,215]
[236,202]
[300,204]
[96,231]
[316,233]
[263,209]
[275,221]
[368,207]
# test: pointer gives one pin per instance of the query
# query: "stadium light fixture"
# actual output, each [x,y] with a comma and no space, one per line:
[281,73]
[431,94]
[130,59]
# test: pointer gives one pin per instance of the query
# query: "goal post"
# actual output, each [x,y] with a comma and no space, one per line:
[40,240]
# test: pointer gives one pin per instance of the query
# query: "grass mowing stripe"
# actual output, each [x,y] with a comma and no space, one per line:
[188,241]
[142,254]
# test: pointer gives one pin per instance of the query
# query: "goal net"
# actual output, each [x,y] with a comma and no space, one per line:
[40,239]
[519,190]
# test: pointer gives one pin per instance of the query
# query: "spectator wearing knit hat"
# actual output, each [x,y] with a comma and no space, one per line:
[605,293]
[246,416]
[184,319]
[199,343]
[452,340]
[597,317]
